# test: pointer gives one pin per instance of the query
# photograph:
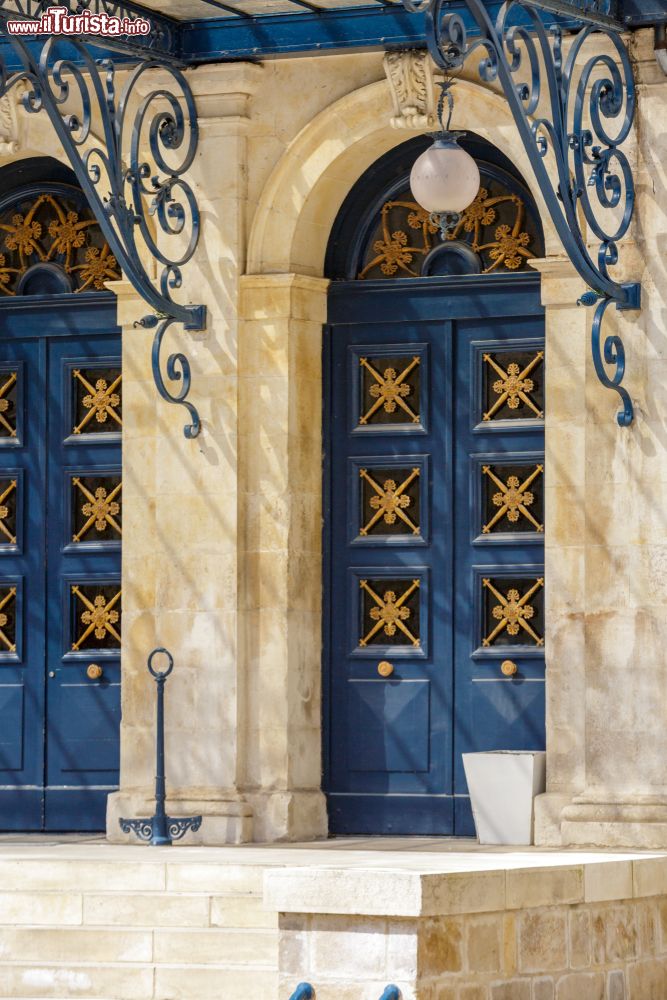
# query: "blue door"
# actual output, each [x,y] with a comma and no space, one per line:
[434,529]
[60,548]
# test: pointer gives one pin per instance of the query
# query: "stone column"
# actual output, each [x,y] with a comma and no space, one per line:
[624,801]
[281,474]
[566,349]
[180,544]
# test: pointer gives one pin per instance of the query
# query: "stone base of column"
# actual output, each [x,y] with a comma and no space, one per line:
[548,809]
[637,823]
[227,819]
[288,815]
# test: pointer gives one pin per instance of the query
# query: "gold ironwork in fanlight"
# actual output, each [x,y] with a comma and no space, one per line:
[5,512]
[390,613]
[5,403]
[48,230]
[406,235]
[513,498]
[100,509]
[4,619]
[99,617]
[513,612]
[101,402]
[389,390]
[513,386]
[390,502]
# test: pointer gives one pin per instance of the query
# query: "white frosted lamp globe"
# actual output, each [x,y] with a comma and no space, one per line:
[444,179]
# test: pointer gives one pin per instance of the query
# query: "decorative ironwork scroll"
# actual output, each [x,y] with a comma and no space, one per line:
[574,112]
[133,177]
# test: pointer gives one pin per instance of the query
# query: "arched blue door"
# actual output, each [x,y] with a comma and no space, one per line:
[434,515]
[60,516]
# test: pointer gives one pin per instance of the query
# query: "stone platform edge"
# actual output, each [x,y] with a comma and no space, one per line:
[390,893]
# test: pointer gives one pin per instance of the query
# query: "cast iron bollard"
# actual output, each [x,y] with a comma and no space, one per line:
[304,991]
[160,829]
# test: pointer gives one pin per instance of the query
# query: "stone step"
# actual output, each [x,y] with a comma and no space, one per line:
[109,876]
[210,946]
[133,982]
[143,909]
[134,930]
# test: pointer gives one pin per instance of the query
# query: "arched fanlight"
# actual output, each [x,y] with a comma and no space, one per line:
[445,179]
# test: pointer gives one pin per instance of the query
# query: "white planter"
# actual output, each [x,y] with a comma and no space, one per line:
[502,786]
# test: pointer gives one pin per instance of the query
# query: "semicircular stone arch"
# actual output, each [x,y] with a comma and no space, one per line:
[301,200]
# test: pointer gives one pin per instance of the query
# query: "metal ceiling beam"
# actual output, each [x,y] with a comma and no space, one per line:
[274,36]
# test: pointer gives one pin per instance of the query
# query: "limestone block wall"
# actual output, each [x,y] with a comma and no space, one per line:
[592,951]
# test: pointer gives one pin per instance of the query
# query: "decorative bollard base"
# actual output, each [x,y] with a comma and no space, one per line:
[160,829]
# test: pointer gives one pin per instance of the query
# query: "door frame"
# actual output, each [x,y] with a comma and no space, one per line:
[352,303]
[50,317]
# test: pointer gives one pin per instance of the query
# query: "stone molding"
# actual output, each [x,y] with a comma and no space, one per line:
[9,123]
[299,202]
[410,77]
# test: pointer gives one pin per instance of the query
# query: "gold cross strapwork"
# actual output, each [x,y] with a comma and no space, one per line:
[4,403]
[513,612]
[99,616]
[101,509]
[9,596]
[101,400]
[390,613]
[4,512]
[513,386]
[389,390]
[391,501]
[513,499]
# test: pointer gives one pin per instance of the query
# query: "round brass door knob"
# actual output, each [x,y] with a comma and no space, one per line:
[509,668]
[385,668]
[94,671]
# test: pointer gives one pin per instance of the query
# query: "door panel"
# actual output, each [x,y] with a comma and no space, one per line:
[60,725]
[434,416]
[396,729]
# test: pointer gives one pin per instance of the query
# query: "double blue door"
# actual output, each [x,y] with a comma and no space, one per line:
[60,546]
[434,586]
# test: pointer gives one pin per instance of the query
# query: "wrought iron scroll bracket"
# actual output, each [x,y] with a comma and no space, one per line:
[578,113]
[133,176]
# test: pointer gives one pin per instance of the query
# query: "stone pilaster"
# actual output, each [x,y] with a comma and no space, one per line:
[281,472]
[565,470]
[180,552]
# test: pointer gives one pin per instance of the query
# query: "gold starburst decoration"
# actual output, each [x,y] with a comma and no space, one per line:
[100,617]
[513,612]
[390,613]
[390,501]
[513,498]
[390,390]
[513,386]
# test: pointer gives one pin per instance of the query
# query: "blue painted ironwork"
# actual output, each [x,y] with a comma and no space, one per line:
[131,195]
[304,991]
[594,174]
[162,43]
[160,829]
[244,36]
